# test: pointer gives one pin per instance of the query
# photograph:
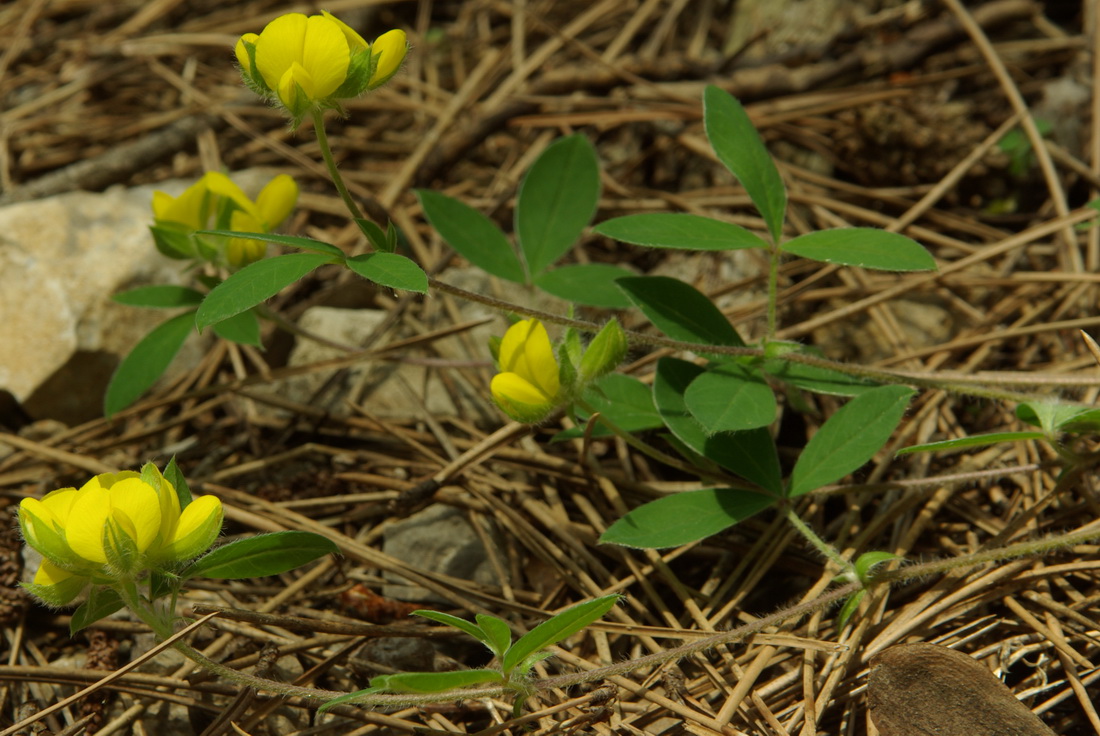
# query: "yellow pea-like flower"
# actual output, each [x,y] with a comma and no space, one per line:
[117,526]
[216,202]
[387,54]
[528,384]
[310,62]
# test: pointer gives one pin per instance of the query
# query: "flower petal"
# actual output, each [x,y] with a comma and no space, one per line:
[325,55]
[276,200]
[389,52]
[242,51]
[60,503]
[515,388]
[199,526]
[50,574]
[136,506]
[84,531]
[355,41]
[279,45]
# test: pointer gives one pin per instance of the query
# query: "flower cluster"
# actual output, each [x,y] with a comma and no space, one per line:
[307,63]
[532,383]
[215,202]
[114,528]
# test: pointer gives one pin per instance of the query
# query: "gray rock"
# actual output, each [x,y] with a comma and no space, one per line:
[437,539]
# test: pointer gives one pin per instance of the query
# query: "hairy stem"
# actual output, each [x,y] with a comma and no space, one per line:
[826,549]
[326,153]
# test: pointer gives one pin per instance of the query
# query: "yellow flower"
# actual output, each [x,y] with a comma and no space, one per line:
[386,56]
[215,202]
[116,526]
[528,384]
[306,62]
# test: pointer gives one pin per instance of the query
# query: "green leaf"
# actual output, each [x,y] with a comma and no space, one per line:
[740,148]
[147,362]
[866,247]
[264,554]
[849,438]
[1054,417]
[472,235]
[172,241]
[498,633]
[818,380]
[684,517]
[556,200]
[459,623]
[243,328]
[590,284]
[162,296]
[390,269]
[254,283]
[750,454]
[624,400]
[294,241]
[101,603]
[377,238]
[729,397]
[561,626]
[681,231]
[174,475]
[868,561]
[977,440]
[851,605]
[680,310]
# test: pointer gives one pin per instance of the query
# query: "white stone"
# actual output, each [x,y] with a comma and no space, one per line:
[61,260]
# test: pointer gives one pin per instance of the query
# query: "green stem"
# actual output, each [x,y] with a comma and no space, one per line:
[326,153]
[773,293]
[826,549]
[875,375]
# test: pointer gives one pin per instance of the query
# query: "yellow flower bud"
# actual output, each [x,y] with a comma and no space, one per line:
[528,384]
[387,53]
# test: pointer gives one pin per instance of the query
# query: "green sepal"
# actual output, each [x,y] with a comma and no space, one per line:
[569,358]
[494,349]
[58,594]
[173,241]
[174,475]
[101,603]
[254,80]
[526,413]
[46,540]
[605,352]
[120,548]
[851,605]
[360,70]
